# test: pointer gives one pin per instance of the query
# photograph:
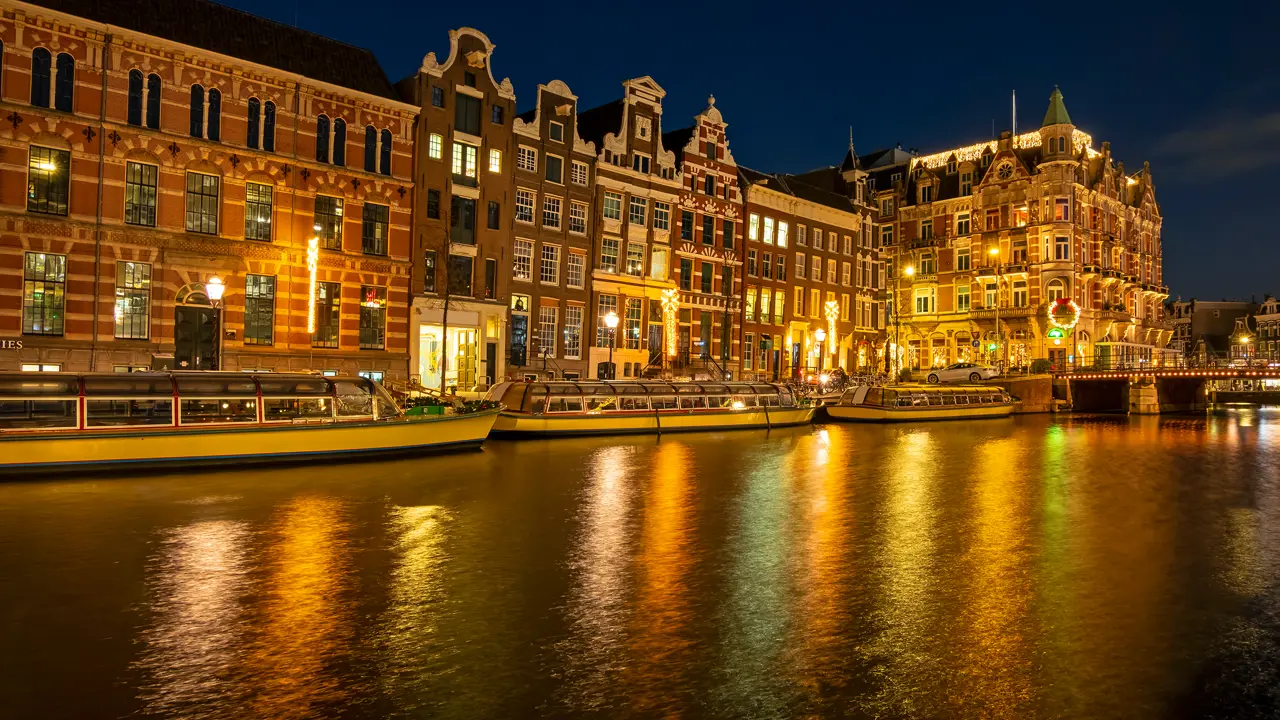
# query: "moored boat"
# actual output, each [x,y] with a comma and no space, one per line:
[615,408]
[916,403]
[51,422]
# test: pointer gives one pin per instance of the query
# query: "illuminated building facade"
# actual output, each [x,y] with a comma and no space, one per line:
[637,189]
[463,213]
[1007,228]
[148,151]
[811,264]
[551,252]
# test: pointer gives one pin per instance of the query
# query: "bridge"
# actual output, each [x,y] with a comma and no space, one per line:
[1150,390]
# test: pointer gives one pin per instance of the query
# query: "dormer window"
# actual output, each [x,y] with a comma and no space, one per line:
[640,163]
[926,194]
[896,178]
[951,166]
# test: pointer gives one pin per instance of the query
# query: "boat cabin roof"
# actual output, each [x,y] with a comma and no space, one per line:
[193,384]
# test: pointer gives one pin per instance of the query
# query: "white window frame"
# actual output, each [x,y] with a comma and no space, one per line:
[549,264]
[578,216]
[522,260]
[527,158]
[495,161]
[552,211]
[579,173]
[524,211]
[575,271]
[435,146]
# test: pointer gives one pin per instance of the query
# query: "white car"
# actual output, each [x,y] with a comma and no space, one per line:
[961,371]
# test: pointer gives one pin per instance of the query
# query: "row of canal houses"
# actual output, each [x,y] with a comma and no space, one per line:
[268,200]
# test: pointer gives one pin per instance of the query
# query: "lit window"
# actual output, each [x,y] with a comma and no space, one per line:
[768,231]
[435,147]
[753,227]
[522,259]
[782,233]
[495,161]
[609,254]
[524,206]
[44,286]
[48,177]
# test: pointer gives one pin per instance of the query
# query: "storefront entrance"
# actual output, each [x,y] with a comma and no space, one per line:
[460,371]
[193,338]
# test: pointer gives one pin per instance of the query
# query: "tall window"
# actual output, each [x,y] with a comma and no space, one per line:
[578,218]
[612,206]
[202,203]
[328,224]
[259,309]
[782,234]
[709,185]
[524,206]
[526,159]
[197,111]
[135,97]
[322,138]
[608,304]
[214,124]
[522,259]
[609,254]
[573,332]
[686,225]
[661,215]
[989,295]
[140,194]
[638,211]
[437,96]
[464,164]
[429,271]
[554,167]
[708,276]
[749,304]
[768,231]
[269,127]
[370,148]
[154,86]
[48,175]
[44,287]
[373,238]
[635,259]
[133,300]
[925,300]
[708,230]
[551,207]
[495,215]
[550,270]
[547,331]
[466,114]
[384,153]
[658,263]
[462,220]
[1020,293]
[373,317]
[634,317]
[578,173]
[433,204]
[728,234]
[257,212]
[339,141]
[962,298]
[495,160]
[65,83]
[1061,248]
[575,270]
[41,76]
[686,274]
[1056,290]
[255,122]
[328,314]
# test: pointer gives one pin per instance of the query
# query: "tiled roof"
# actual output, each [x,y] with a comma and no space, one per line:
[238,34]
[795,186]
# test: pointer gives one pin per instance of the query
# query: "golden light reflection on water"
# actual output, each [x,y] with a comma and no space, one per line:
[409,636]
[996,660]
[192,645]
[659,641]
[306,623]
[598,609]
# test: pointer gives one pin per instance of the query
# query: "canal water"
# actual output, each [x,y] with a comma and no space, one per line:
[1080,567]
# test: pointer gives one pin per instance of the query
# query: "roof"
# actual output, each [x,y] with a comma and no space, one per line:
[599,121]
[1057,112]
[238,34]
[677,139]
[796,187]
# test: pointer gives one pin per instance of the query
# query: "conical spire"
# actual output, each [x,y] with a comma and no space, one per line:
[1057,113]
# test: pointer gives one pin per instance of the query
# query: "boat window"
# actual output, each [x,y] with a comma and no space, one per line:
[513,398]
[873,397]
[196,386]
[293,387]
[538,397]
[663,402]
[203,411]
[565,403]
[597,390]
[561,389]
[633,402]
[774,401]
[600,402]
[384,403]
[20,414]
[124,413]
[43,387]
[353,397]
[128,385]
[692,401]
[962,399]
[934,398]
[689,389]
[289,409]
[948,398]
[719,401]
[715,389]
[746,400]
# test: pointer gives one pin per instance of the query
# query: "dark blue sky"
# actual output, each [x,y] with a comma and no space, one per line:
[1195,93]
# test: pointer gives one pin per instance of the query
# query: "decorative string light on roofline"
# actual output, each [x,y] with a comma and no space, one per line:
[972,153]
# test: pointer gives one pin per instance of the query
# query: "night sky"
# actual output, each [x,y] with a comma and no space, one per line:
[1197,95]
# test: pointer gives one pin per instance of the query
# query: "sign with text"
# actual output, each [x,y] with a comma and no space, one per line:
[10,344]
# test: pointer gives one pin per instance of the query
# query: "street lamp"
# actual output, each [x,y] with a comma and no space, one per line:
[821,336]
[611,322]
[994,251]
[214,289]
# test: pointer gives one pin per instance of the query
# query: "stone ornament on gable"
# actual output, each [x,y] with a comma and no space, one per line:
[476,58]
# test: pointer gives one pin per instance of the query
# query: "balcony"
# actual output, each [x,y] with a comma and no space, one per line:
[920,243]
[1005,312]
[1090,271]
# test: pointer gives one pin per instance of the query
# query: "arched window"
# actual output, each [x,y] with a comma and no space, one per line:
[386,152]
[322,138]
[197,111]
[154,88]
[370,149]
[255,122]
[40,69]
[269,127]
[215,115]
[1062,144]
[135,97]
[1055,290]
[65,84]
[339,142]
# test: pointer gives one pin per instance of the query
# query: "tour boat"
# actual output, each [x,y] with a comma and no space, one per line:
[614,408]
[64,421]
[914,403]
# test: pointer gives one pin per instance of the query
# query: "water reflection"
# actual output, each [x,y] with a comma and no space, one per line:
[190,651]
[305,624]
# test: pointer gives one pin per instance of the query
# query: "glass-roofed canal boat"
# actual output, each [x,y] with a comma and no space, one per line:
[917,403]
[52,422]
[613,408]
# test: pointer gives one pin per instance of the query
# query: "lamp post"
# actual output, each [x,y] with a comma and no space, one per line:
[994,252]
[821,336]
[611,322]
[214,289]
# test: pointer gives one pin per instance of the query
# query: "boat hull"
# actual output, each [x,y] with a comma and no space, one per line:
[512,424]
[863,413]
[44,453]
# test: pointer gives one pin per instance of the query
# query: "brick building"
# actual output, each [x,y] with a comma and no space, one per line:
[551,253]
[1008,227]
[636,191]
[462,216]
[157,152]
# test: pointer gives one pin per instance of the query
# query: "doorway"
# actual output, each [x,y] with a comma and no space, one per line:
[490,362]
[193,338]
[1058,358]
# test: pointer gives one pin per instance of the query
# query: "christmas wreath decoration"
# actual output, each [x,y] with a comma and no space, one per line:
[1064,313]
